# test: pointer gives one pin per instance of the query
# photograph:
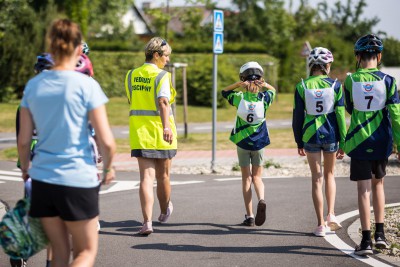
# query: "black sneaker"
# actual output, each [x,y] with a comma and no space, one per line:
[17,263]
[248,221]
[260,216]
[380,241]
[364,249]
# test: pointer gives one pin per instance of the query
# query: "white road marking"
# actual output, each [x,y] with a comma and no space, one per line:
[335,241]
[8,178]
[130,185]
[239,178]
[121,186]
[10,173]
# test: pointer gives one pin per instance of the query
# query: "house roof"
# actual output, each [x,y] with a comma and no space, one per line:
[135,17]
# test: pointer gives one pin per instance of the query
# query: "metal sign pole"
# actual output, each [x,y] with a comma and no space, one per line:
[214,112]
[218,48]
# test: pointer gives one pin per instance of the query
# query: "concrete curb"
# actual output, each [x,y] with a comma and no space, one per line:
[353,233]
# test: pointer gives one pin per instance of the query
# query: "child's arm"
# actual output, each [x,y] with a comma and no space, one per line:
[264,85]
[236,85]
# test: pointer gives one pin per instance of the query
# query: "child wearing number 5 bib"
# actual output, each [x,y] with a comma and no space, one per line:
[373,102]
[250,134]
[319,129]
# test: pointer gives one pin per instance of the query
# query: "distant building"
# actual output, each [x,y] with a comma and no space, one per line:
[140,24]
[176,12]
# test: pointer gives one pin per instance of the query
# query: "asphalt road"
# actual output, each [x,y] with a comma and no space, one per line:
[205,230]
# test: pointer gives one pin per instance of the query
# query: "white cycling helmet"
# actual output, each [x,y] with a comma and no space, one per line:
[320,56]
[251,70]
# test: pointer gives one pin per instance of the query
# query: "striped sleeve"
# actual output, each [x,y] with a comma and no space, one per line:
[298,118]
[348,103]
[393,106]
[340,115]
[233,97]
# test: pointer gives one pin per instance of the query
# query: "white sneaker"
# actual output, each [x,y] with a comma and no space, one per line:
[320,231]
[332,222]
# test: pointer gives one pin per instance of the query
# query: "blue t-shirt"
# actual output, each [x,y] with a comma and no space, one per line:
[59,102]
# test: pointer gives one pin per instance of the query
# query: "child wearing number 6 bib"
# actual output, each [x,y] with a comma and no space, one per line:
[250,134]
[373,102]
[319,129]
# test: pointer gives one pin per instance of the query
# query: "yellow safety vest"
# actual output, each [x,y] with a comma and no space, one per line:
[145,127]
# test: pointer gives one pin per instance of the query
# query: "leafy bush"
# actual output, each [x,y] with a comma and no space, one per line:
[110,69]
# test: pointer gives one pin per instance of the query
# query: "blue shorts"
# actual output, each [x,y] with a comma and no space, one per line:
[313,148]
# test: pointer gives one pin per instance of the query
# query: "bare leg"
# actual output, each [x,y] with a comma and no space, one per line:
[364,192]
[330,183]
[314,161]
[246,189]
[257,172]
[378,199]
[163,183]
[85,241]
[57,234]
[147,173]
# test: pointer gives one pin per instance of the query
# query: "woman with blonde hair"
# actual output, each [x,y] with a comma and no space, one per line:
[152,130]
[65,183]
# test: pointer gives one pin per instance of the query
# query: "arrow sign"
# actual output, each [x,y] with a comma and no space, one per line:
[218,42]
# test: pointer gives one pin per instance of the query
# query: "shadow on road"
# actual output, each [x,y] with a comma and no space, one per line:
[131,227]
[299,250]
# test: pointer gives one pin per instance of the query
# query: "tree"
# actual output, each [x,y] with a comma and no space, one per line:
[21,40]
[347,19]
[391,52]
[105,20]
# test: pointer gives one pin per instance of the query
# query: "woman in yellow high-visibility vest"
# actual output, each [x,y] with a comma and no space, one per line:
[152,130]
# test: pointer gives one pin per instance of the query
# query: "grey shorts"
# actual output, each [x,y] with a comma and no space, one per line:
[247,157]
[312,148]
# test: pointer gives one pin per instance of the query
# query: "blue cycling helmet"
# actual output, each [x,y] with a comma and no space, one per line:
[369,43]
[44,62]
[85,48]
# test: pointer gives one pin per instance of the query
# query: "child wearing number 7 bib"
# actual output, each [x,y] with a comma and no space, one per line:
[250,134]
[319,129]
[373,102]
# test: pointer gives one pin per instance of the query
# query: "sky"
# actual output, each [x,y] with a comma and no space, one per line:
[388,11]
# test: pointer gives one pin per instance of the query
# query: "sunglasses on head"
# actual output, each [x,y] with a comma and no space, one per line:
[163,43]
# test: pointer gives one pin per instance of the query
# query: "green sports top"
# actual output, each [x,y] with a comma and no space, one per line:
[373,102]
[250,131]
[318,112]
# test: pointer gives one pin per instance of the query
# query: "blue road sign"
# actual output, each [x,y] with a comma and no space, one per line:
[218,21]
[218,47]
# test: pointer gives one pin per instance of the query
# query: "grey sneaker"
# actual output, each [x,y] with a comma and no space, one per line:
[380,241]
[248,221]
[163,218]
